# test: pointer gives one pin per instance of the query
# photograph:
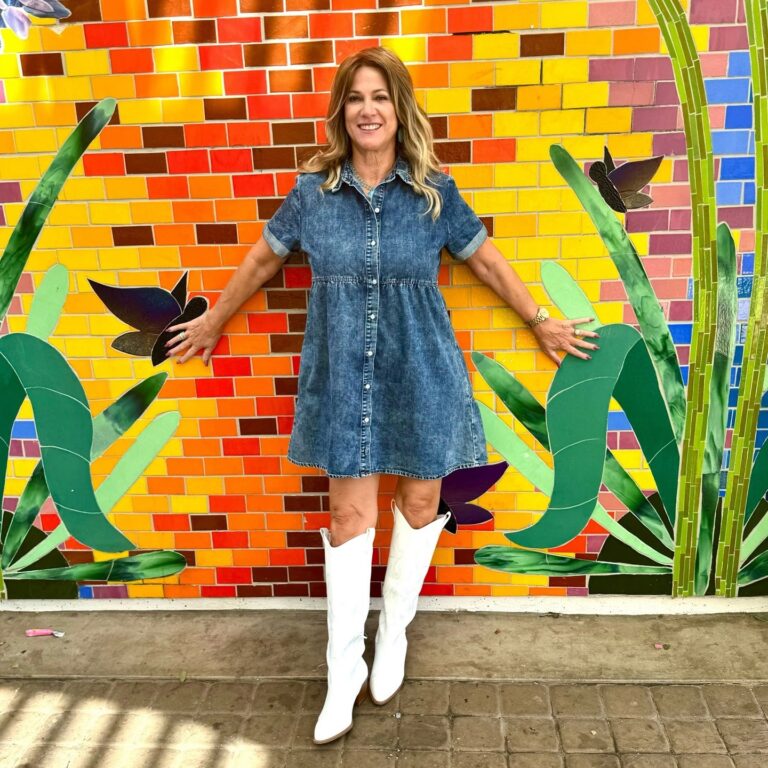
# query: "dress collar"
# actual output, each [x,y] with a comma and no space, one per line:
[400,168]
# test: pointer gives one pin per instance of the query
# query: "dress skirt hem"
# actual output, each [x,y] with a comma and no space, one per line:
[391,470]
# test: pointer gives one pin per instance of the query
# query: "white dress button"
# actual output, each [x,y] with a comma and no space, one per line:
[373,242]
[367,386]
[376,210]
[369,352]
[366,420]
[372,316]
[374,281]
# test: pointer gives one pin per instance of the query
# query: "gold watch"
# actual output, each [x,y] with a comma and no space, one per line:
[541,315]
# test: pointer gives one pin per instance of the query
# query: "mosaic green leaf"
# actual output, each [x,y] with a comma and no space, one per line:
[147,565]
[48,302]
[35,213]
[542,564]
[758,481]
[566,294]
[725,344]
[577,414]
[518,455]
[531,414]
[108,426]
[754,571]
[65,432]
[648,311]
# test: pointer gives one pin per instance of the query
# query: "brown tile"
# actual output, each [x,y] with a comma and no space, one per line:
[284,26]
[216,234]
[267,206]
[288,385]
[295,132]
[261,6]
[254,590]
[290,81]
[265,54]
[314,484]
[286,299]
[374,24]
[453,151]
[232,108]
[544,44]
[162,136]
[303,539]
[285,342]
[145,162]
[439,126]
[490,99]
[82,108]
[33,64]
[208,522]
[84,10]
[304,153]
[316,52]
[132,236]
[297,323]
[273,157]
[488,221]
[269,573]
[260,426]
[307,5]
[159,9]
[194,31]
[291,590]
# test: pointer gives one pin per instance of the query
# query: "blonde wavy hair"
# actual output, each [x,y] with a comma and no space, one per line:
[415,137]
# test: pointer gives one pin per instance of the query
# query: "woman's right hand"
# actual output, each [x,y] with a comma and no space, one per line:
[201,333]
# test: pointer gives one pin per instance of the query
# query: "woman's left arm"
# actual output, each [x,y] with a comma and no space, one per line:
[490,267]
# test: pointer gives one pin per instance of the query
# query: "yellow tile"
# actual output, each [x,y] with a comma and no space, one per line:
[162,540]
[633,145]
[160,257]
[72,89]
[516,174]
[520,225]
[564,223]
[523,72]
[110,213]
[87,62]
[502,201]
[84,347]
[55,114]
[205,485]
[539,97]
[114,86]
[589,42]
[449,100]
[16,116]
[533,148]
[152,212]
[144,591]
[492,339]
[12,44]
[189,504]
[9,66]
[584,147]
[36,140]
[582,247]
[556,122]
[83,189]
[482,296]
[585,95]
[505,45]
[68,213]
[538,248]
[27,89]
[609,119]
[517,16]
[125,187]
[564,15]
[700,34]
[408,49]
[21,167]
[178,58]
[213,557]
[507,247]
[471,319]
[537,200]
[471,73]
[568,70]
[183,111]
[198,408]
[52,237]
[515,124]
[201,83]
[76,259]
[69,325]
[68,37]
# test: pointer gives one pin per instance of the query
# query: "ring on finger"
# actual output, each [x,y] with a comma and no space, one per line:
[577,332]
[182,335]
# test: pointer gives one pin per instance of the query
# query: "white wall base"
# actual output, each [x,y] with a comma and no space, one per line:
[614,605]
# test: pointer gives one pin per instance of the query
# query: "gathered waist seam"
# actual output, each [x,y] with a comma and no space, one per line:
[363,280]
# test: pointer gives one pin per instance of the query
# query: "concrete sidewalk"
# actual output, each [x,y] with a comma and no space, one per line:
[230,689]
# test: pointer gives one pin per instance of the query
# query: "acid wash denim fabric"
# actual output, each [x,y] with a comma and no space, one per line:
[383,386]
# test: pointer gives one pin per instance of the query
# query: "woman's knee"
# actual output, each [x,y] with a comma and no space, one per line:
[353,507]
[418,502]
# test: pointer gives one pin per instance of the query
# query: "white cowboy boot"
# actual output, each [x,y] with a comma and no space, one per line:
[348,581]
[409,557]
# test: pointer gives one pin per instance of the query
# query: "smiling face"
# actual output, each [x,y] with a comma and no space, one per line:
[369,113]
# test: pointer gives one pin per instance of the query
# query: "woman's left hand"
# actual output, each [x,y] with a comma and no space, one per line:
[553,335]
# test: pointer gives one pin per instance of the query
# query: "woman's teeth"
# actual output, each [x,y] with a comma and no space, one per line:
[370,126]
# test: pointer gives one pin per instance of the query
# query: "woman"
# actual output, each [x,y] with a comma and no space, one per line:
[383,387]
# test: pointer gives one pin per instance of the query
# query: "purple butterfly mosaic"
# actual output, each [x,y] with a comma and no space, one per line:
[462,486]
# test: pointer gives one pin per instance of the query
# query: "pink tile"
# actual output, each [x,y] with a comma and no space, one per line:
[681,311]
[623,94]
[714,64]
[736,217]
[654,68]
[612,290]
[713,11]
[611,69]
[669,242]
[657,267]
[680,219]
[671,288]
[647,220]
[666,93]
[656,119]
[669,144]
[618,14]
[681,267]
[728,39]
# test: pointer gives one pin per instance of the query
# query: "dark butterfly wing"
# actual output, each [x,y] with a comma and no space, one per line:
[179,291]
[136,343]
[470,482]
[148,309]
[608,160]
[634,175]
[609,193]
[451,524]
[638,200]
[470,514]
[194,309]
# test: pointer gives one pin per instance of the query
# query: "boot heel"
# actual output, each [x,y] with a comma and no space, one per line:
[363,695]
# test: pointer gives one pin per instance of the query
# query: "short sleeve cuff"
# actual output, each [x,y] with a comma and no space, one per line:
[274,243]
[472,245]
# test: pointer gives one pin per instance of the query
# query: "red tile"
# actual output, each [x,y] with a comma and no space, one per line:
[243,29]
[104,164]
[221,57]
[450,48]
[493,150]
[233,575]
[167,522]
[208,8]
[245,82]
[188,161]
[241,446]
[248,134]
[205,135]
[231,366]
[231,160]
[269,107]
[254,185]
[214,388]
[230,503]
[330,25]
[131,60]
[106,35]
[230,540]
[479,19]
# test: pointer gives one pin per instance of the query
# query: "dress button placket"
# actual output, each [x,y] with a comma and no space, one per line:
[371,310]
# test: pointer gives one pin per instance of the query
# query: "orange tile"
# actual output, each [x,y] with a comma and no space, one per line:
[235,210]
[211,186]
[229,466]
[243,521]
[121,137]
[201,256]
[459,574]
[250,557]
[150,33]
[644,40]
[124,10]
[198,576]
[175,234]
[200,447]
[282,485]
[470,126]
[193,211]
[154,86]
[180,591]
[261,386]
[244,345]
[261,503]
[234,406]
[269,539]
[429,75]
[218,427]
[192,540]
[423,21]
[248,232]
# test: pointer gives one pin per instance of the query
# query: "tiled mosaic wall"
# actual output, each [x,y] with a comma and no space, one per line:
[217,102]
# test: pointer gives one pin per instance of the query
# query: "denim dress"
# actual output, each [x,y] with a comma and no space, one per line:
[383,386]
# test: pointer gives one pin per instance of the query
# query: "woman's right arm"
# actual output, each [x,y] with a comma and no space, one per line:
[260,264]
